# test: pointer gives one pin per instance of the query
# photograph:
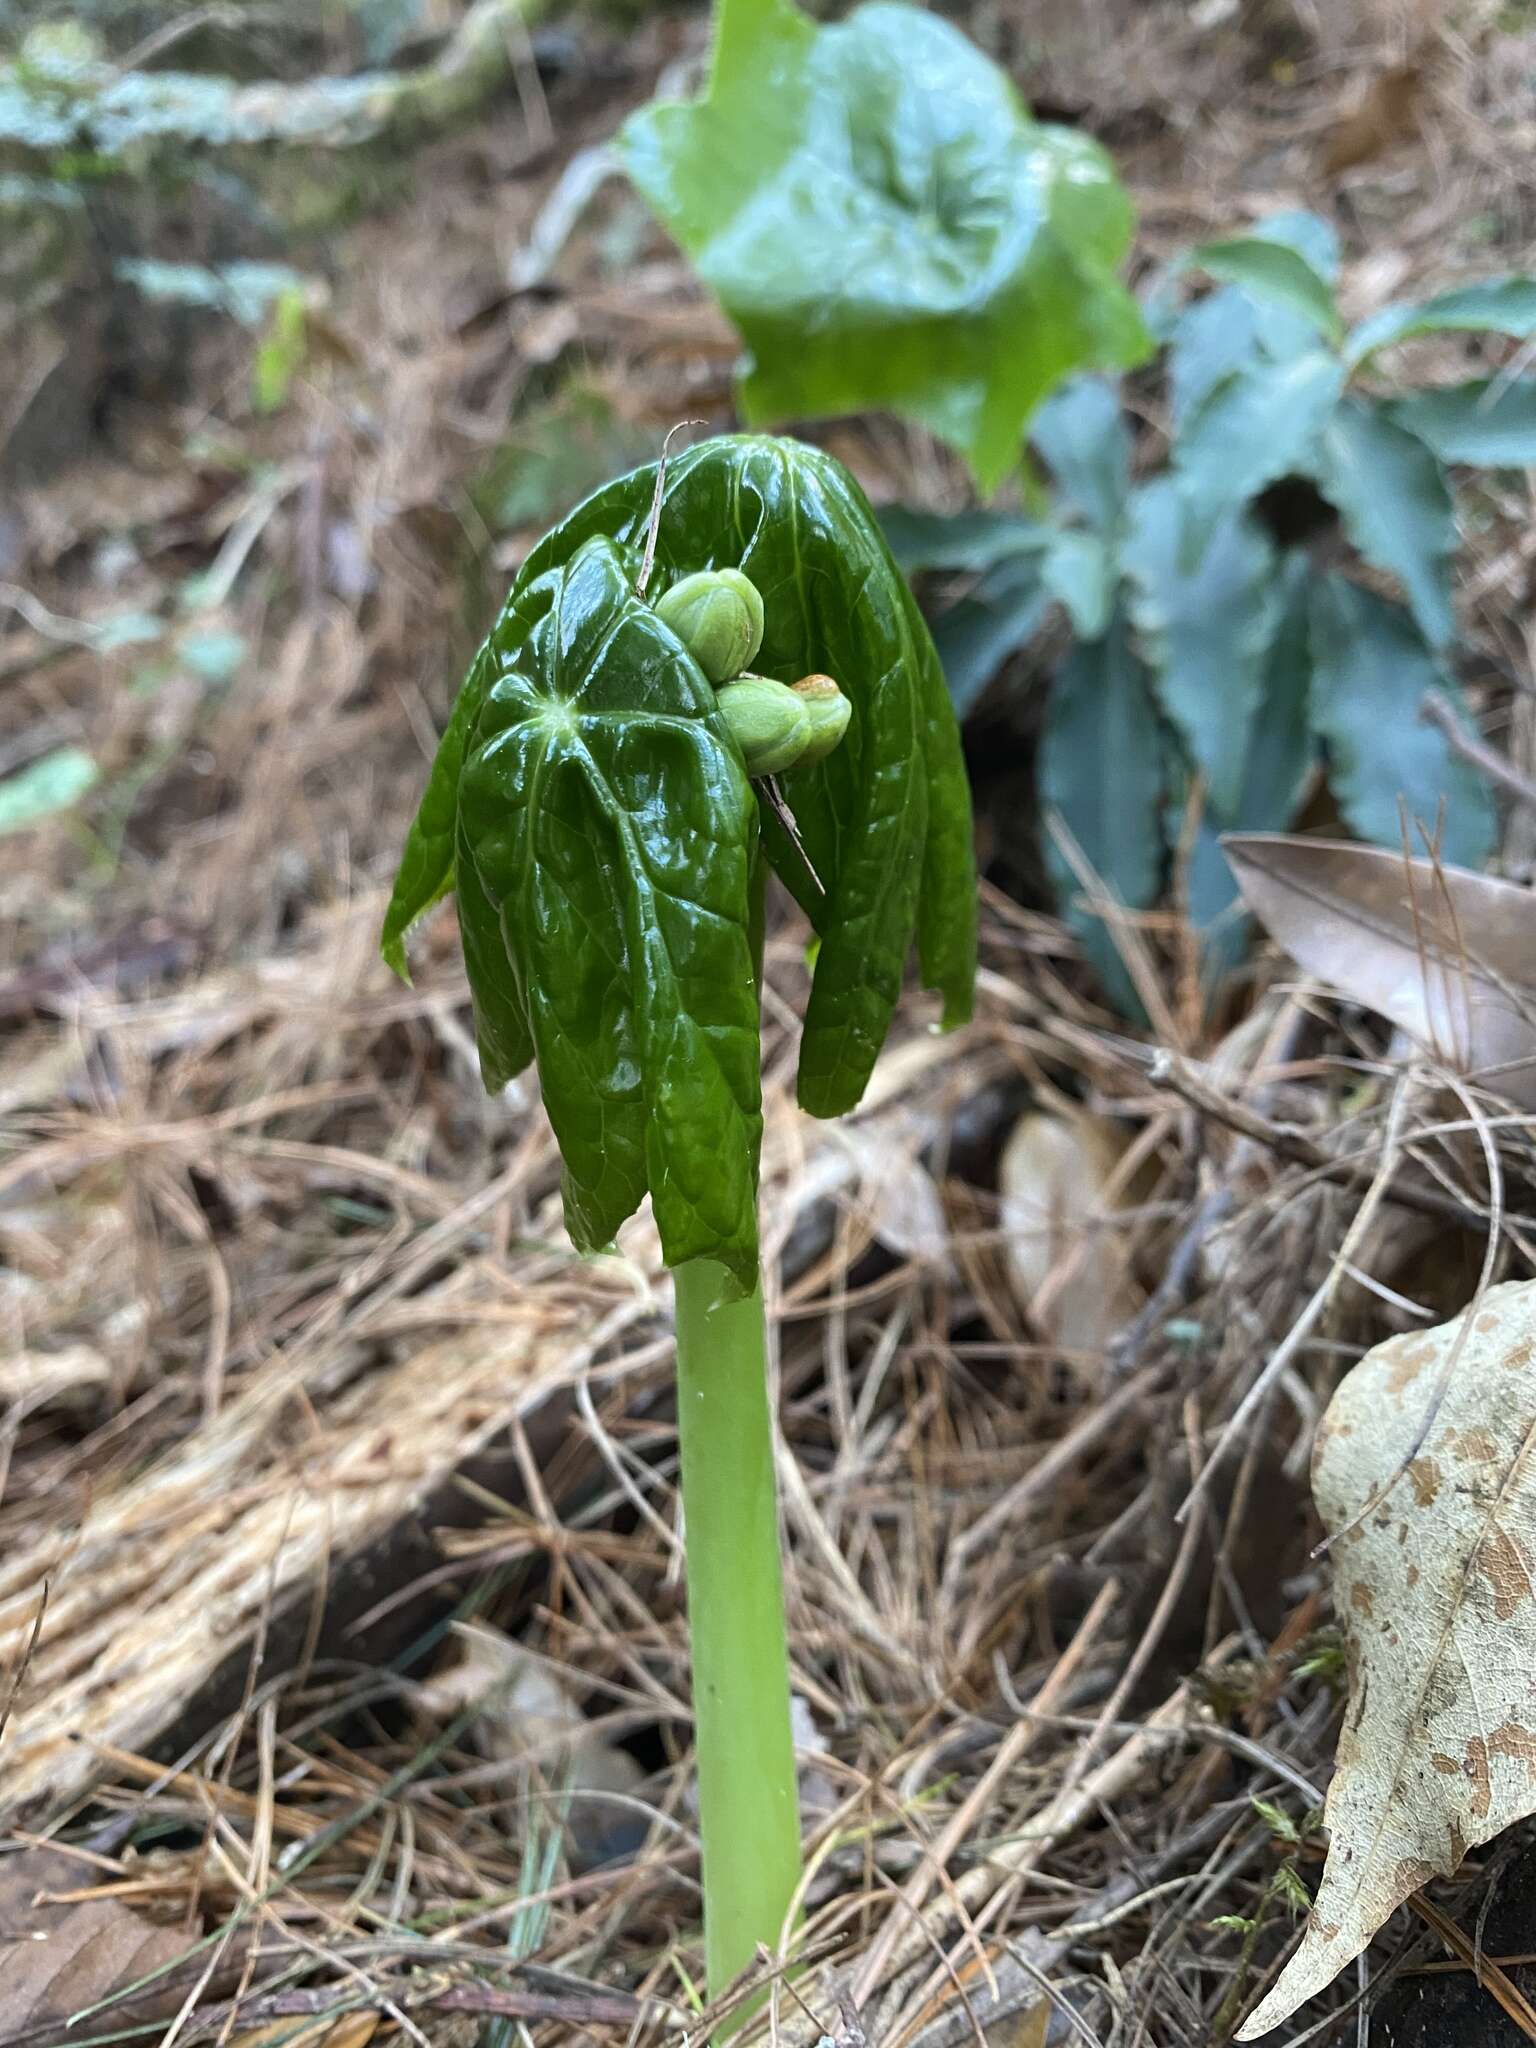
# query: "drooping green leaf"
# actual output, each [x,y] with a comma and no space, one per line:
[1204,631]
[426,871]
[958,541]
[1274,270]
[1489,423]
[886,226]
[51,783]
[1498,305]
[1101,769]
[1396,506]
[977,635]
[1371,670]
[885,817]
[624,914]
[1082,434]
[1079,571]
[1254,425]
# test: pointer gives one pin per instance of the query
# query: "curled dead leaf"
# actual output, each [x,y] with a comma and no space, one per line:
[1446,954]
[1435,1592]
[1069,1265]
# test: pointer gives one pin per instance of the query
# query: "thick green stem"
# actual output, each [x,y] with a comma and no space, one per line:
[748,1810]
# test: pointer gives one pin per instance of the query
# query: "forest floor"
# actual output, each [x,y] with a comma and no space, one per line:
[341,1639]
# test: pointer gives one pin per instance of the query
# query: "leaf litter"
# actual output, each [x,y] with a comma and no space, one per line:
[982,1538]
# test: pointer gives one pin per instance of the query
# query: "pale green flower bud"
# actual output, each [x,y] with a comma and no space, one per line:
[829,712]
[718,616]
[770,724]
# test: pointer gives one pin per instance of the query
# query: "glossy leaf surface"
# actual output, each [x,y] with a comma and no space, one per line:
[593,811]
[886,226]
[608,821]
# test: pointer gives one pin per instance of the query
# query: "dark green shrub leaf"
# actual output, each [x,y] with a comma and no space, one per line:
[1079,572]
[1255,424]
[1274,270]
[1499,305]
[1371,670]
[1281,761]
[958,541]
[1204,631]
[1309,234]
[1396,506]
[1489,423]
[1101,768]
[977,635]
[51,783]
[886,226]
[1224,331]
[1081,433]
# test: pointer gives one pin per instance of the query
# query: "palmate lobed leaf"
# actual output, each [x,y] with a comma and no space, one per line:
[592,810]
[886,226]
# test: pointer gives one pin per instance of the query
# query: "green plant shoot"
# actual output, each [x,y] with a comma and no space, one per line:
[594,809]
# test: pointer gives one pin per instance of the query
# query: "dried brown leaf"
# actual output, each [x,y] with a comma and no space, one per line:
[1448,955]
[1386,113]
[1069,1267]
[1436,1594]
[56,1960]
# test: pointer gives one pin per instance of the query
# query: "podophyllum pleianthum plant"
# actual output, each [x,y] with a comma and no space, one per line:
[712,669]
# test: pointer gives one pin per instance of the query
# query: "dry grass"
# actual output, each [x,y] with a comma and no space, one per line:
[286,1292]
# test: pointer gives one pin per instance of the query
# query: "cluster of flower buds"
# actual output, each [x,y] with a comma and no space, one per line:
[718,616]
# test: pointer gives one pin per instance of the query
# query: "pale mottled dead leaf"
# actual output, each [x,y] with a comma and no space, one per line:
[898,1200]
[55,1960]
[1448,955]
[1436,1594]
[1068,1262]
